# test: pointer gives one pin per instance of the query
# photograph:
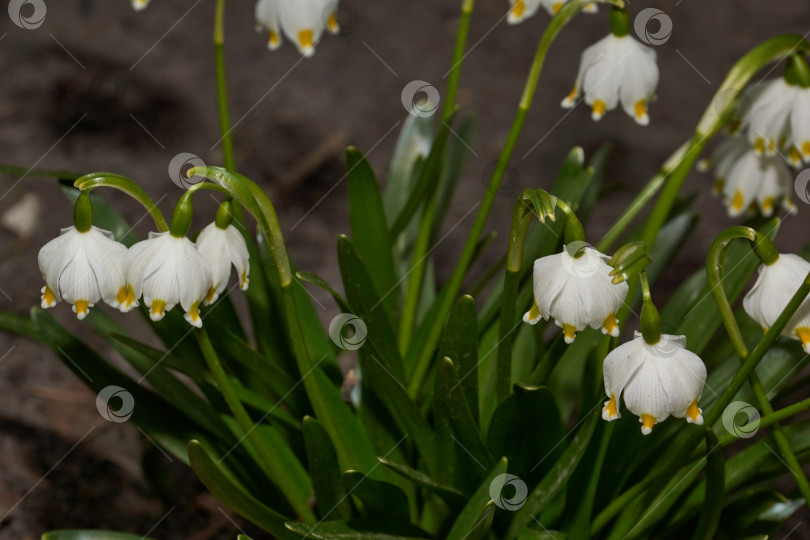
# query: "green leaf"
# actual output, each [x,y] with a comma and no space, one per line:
[451,495]
[534,534]
[367,305]
[531,452]
[414,142]
[460,344]
[77,534]
[370,230]
[715,488]
[330,496]
[464,426]
[379,498]
[468,518]
[483,523]
[362,529]
[557,477]
[222,485]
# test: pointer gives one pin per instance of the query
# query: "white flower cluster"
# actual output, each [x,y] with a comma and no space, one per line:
[83,268]
[750,167]
[521,10]
[302,21]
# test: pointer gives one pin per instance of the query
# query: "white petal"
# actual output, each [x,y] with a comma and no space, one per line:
[302,22]
[522,10]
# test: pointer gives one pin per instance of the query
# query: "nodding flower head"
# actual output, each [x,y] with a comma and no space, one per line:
[577,291]
[775,286]
[82,268]
[223,247]
[523,9]
[614,70]
[302,21]
[658,380]
[167,270]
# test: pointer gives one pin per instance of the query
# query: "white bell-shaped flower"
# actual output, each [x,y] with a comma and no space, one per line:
[167,270]
[223,248]
[138,5]
[523,9]
[775,286]
[577,292]
[750,179]
[657,381]
[302,21]
[82,268]
[616,69]
[779,120]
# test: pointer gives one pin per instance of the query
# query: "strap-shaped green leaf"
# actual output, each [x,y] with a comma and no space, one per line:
[322,460]
[467,520]
[360,529]
[460,344]
[379,498]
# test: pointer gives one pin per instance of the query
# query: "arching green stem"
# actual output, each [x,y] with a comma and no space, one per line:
[91,181]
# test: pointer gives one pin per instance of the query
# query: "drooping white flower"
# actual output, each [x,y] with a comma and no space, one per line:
[577,292]
[779,120]
[302,21]
[523,9]
[223,248]
[775,286]
[167,270]
[138,5]
[657,380]
[613,70]
[747,179]
[82,268]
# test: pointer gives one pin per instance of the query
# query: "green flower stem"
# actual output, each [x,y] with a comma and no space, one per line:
[458,58]
[767,420]
[222,89]
[297,495]
[102,179]
[25,172]
[719,112]
[353,449]
[560,20]
[764,248]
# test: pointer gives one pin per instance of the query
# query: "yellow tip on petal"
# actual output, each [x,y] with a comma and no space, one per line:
[806,149]
[794,156]
[693,414]
[193,315]
[126,298]
[611,325]
[569,100]
[332,24]
[718,186]
[759,145]
[640,110]
[771,150]
[517,11]
[306,40]
[569,333]
[598,110]
[647,423]
[803,333]
[80,308]
[48,298]
[274,40]
[533,315]
[738,201]
[211,295]
[243,282]
[555,8]
[611,410]
[767,206]
[157,311]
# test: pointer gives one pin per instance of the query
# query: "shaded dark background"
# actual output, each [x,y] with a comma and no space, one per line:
[100,87]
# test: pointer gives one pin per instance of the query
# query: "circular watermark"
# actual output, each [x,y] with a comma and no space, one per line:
[28,14]
[652,36]
[179,167]
[581,264]
[116,415]
[508,492]
[420,99]
[348,331]
[510,178]
[732,106]
[340,18]
[802,186]
[747,429]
